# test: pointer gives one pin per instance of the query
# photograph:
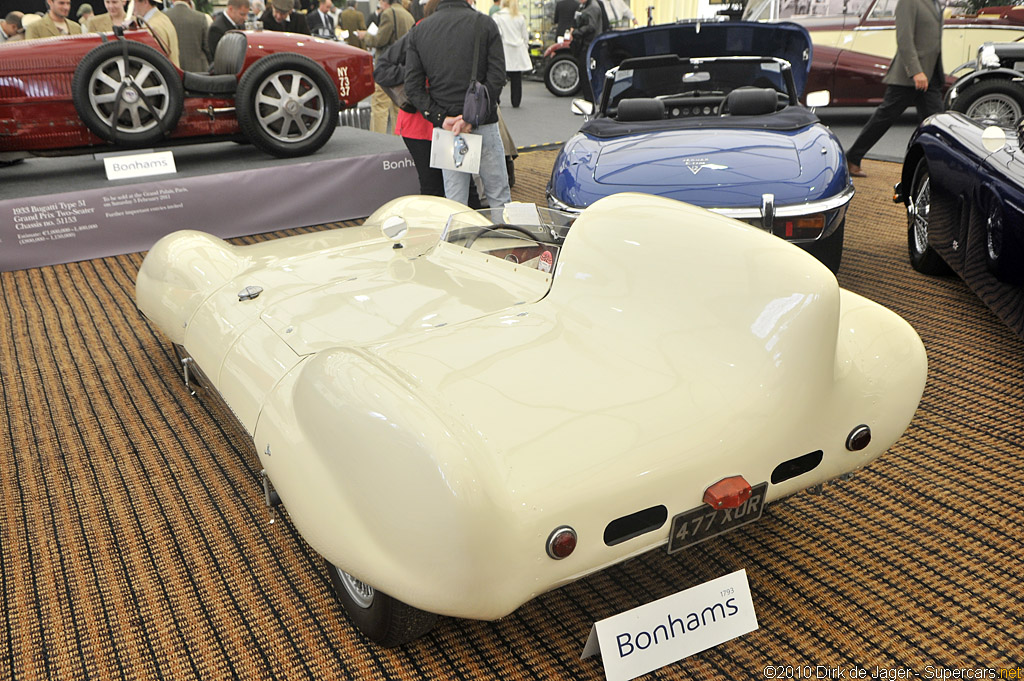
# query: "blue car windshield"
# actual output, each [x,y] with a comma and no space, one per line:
[696,78]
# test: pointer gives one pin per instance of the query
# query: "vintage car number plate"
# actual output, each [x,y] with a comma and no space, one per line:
[704,522]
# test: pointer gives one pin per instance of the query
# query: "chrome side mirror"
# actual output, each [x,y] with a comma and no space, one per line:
[582,107]
[818,98]
[394,228]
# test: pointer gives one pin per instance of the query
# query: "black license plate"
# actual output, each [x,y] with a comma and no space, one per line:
[704,522]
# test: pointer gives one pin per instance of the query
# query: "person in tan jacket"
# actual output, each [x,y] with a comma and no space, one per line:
[395,21]
[54,23]
[161,28]
[353,21]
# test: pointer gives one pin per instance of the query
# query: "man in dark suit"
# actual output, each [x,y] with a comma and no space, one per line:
[915,75]
[193,36]
[565,10]
[320,22]
[233,17]
[281,16]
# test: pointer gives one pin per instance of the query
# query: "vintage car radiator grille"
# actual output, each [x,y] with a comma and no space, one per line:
[35,85]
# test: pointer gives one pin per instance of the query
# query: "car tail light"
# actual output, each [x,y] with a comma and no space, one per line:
[859,438]
[727,493]
[804,227]
[561,542]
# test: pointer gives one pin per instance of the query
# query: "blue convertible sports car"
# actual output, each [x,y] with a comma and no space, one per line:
[963,185]
[708,113]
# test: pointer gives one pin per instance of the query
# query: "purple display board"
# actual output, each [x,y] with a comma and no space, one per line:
[94,223]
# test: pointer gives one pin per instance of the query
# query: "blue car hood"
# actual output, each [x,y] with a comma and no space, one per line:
[693,158]
[784,40]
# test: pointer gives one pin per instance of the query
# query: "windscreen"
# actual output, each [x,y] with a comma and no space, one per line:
[696,78]
[522,234]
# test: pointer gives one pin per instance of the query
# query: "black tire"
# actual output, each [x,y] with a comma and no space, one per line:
[287,105]
[562,76]
[149,103]
[382,619]
[923,257]
[995,101]
[830,249]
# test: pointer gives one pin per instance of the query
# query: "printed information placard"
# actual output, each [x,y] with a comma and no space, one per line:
[643,639]
[46,230]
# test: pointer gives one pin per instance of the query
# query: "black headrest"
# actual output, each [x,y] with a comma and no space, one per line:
[230,55]
[752,101]
[641,109]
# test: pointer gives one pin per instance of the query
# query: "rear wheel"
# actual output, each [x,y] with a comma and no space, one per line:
[384,620]
[562,76]
[995,102]
[923,257]
[287,105]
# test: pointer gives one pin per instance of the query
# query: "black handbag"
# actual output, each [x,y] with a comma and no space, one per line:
[477,106]
[389,74]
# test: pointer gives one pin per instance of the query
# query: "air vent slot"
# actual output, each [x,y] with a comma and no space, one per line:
[635,524]
[788,470]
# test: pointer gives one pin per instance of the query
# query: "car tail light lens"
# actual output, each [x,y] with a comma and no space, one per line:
[804,227]
[859,438]
[561,542]
[727,493]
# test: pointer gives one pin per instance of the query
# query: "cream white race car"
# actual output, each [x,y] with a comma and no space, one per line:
[463,410]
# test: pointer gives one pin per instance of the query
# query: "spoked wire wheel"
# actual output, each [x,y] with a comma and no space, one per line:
[919,215]
[923,257]
[997,108]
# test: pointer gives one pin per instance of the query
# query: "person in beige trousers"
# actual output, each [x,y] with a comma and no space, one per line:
[395,21]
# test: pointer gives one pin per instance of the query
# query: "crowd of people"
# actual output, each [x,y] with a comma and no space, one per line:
[436,58]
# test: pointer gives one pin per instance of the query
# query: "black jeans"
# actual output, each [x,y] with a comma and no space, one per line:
[515,79]
[431,179]
[895,101]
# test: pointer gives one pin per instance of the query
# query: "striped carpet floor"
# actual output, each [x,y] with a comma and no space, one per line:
[134,543]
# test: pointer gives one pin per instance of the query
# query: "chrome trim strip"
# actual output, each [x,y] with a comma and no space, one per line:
[837,201]
[976,27]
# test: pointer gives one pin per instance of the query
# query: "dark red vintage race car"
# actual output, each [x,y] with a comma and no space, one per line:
[78,94]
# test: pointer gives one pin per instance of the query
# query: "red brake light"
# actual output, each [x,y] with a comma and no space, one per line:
[806,227]
[727,493]
[561,542]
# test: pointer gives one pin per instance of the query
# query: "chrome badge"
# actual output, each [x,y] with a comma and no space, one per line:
[698,164]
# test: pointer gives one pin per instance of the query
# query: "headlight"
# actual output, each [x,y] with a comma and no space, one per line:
[987,58]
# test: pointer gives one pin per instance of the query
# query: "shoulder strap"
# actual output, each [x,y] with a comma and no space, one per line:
[476,50]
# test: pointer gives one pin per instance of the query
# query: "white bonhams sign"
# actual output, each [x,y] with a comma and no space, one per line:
[139,165]
[677,626]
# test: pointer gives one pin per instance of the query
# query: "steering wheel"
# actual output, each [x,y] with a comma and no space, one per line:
[494,228]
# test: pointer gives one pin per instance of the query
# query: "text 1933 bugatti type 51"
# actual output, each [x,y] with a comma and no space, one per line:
[482,408]
[709,114]
[963,186]
[83,93]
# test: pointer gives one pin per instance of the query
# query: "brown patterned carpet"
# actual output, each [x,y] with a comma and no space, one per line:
[134,543]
